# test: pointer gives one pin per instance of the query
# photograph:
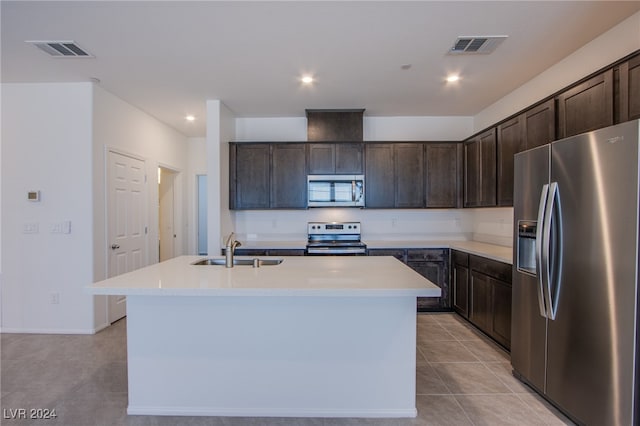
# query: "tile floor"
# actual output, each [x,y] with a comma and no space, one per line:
[462,379]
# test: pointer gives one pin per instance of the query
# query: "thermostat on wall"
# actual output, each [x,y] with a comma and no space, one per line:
[33,195]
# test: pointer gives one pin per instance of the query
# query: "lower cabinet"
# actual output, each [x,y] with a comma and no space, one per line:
[267,252]
[482,294]
[433,264]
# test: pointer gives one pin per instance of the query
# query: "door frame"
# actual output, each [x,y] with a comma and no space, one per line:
[107,175]
[176,173]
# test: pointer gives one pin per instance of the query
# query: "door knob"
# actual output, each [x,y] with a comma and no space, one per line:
[114,247]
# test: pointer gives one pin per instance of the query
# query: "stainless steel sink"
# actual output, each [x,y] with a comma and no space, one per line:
[255,262]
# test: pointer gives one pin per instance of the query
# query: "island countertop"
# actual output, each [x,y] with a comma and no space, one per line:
[329,276]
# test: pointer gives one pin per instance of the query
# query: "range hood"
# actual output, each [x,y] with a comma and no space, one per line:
[334,125]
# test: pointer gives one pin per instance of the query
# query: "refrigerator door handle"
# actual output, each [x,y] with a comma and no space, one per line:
[554,250]
[540,266]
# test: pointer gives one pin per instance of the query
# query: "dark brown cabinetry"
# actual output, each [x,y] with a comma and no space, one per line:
[480,170]
[288,176]
[379,176]
[628,93]
[490,304]
[409,175]
[250,175]
[335,158]
[394,175]
[586,106]
[432,264]
[510,140]
[267,176]
[267,252]
[540,124]
[460,282]
[442,175]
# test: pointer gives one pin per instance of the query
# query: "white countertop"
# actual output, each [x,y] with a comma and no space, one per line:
[327,276]
[491,251]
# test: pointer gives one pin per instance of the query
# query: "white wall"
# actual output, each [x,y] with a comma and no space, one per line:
[46,144]
[123,127]
[620,41]
[196,165]
[220,130]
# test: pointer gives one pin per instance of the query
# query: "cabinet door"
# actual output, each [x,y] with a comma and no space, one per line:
[501,312]
[488,168]
[509,142]
[441,175]
[379,176]
[629,90]
[409,175]
[436,273]
[288,176]
[322,158]
[587,106]
[480,312]
[472,173]
[460,288]
[540,124]
[251,176]
[348,158]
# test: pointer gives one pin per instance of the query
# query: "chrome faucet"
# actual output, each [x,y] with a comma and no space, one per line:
[230,247]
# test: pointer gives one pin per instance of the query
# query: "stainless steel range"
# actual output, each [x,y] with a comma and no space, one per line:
[335,238]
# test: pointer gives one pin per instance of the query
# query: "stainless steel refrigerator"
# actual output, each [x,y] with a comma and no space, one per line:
[575,284]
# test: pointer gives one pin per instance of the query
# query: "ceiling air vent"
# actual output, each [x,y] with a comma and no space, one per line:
[476,44]
[62,49]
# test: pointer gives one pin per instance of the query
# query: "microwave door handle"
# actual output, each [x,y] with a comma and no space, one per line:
[353,190]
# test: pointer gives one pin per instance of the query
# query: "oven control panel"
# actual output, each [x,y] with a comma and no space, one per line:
[333,228]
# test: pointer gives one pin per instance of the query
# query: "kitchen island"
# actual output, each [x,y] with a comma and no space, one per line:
[310,337]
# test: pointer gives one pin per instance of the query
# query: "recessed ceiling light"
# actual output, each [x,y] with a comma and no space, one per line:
[190,118]
[453,78]
[307,79]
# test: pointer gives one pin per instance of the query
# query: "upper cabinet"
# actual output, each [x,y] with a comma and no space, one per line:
[539,124]
[335,158]
[628,90]
[587,106]
[267,176]
[379,184]
[480,170]
[443,170]
[510,141]
[412,175]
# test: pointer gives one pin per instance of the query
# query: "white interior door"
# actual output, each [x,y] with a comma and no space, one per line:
[126,213]
[166,216]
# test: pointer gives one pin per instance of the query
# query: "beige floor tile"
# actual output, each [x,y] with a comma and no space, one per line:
[446,351]
[444,410]
[469,378]
[435,332]
[549,414]
[498,410]
[428,382]
[486,350]
[504,372]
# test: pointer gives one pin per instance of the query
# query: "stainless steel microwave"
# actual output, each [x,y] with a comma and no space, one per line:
[335,190]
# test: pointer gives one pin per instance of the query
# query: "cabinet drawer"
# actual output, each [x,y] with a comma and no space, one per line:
[459,258]
[432,255]
[492,268]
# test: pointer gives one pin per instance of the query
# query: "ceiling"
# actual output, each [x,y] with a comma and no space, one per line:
[168,57]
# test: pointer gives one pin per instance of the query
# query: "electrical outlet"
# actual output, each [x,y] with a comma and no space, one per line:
[54,298]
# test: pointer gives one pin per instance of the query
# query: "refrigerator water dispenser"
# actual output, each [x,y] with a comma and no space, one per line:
[526,261]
